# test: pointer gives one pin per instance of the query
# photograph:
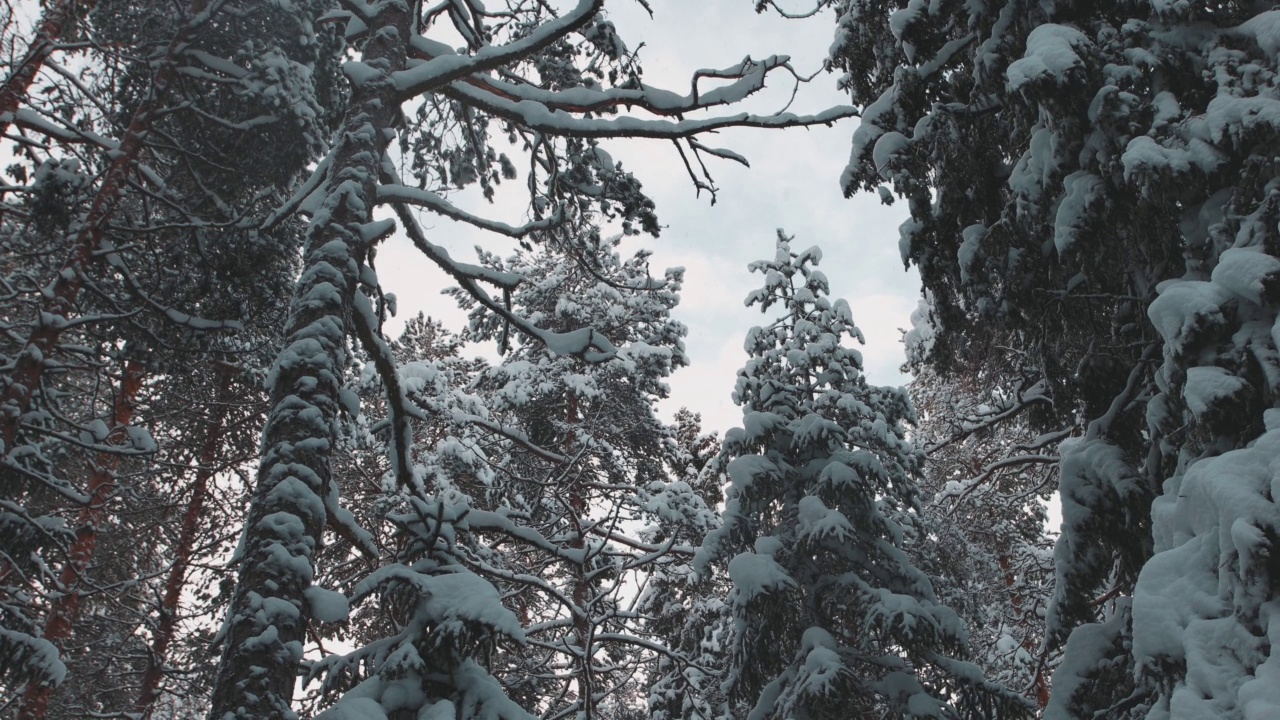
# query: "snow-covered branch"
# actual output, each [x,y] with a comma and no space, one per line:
[560,123]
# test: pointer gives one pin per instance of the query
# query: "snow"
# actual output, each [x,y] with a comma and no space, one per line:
[325,605]
[822,665]
[1248,273]
[354,708]
[1265,29]
[1084,191]
[443,710]
[470,597]
[1195,598]
[1185,309]
[1050,55]
[359,73]
[818,521]
[1145,157]
[887,146]
[754,574]
[899,20]
[1206,387]
[1034,170]
[33,653]
[1228,118]
[1087,649]
[918,341]
[450,597]
[140,439]
[967,255]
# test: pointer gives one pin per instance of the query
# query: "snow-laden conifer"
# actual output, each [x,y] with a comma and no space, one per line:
[1087,184]
[831,618]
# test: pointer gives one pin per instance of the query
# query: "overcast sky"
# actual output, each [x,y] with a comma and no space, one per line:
[793,184]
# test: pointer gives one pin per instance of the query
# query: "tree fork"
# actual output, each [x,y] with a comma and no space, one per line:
[263,636]
[65,609]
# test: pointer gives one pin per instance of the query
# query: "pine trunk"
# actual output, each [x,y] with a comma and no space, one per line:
[58,15]
[1041,683]
[581,587]
[265,631]
[87,235]
[65,608]
[167,626]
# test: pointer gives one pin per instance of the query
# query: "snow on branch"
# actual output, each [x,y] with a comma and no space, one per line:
[514,435]
[982,421]
[584,342]
[963,489]
[396,193]
[34,121]
[538,117]
[748,78]
[446,67]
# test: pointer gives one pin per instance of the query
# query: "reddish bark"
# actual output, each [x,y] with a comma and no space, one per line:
[215,431]
[60,296]
[1041,682]
[65,608]
[58,15]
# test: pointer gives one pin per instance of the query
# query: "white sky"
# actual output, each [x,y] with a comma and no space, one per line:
[793,184]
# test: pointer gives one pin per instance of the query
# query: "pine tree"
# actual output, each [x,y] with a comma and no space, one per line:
[599,422]
[539,466]
[581,73]
[153,272]
[687,611]
[832,619]
[983,541]
[1082,178]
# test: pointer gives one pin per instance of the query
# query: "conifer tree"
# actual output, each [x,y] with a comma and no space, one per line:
[1091,187]
[562,78]
[831,617]
[544,464]
[686,611]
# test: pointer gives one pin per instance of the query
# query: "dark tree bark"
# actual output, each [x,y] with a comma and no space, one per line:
[264,635]
[61,295]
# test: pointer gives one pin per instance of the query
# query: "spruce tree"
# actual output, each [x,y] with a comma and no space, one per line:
[832,619]
[1091,189]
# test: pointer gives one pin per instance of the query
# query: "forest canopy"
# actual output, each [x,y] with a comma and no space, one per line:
[229,490]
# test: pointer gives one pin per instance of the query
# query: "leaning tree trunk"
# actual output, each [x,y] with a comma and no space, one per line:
[166,627]
[65,609]
[59,298]
[58,16]
[263,637]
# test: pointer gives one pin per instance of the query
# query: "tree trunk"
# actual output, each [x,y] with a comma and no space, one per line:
[581,587]
[215,431]
[1041,682]
[265,631]
[53,23]
[66,607]
[87,235]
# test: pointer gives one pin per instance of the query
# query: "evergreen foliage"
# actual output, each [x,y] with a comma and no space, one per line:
[208,439]
[830,614]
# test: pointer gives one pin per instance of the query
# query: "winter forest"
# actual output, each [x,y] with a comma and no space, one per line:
[240,480]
